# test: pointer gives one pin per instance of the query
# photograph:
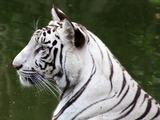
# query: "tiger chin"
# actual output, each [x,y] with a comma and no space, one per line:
[93,84]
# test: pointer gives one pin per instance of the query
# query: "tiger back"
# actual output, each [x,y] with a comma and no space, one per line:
[93,84]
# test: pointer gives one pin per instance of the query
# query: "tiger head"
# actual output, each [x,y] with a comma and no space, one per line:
[51,53]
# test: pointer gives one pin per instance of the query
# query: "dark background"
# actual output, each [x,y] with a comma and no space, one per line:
[130,28]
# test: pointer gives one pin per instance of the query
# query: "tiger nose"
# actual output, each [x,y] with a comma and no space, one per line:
[17,67]
[17,64]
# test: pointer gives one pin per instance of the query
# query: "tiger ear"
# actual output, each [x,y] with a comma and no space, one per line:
[68,30]
[73,34]
[57,14]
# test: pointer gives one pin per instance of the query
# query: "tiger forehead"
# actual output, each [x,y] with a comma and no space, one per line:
[50,29]
[52,26]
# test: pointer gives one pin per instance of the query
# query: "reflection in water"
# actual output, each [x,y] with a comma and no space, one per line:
[130,29]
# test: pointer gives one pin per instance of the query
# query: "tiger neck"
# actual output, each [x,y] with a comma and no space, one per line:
[85,74]
[82,79]
[71,94]
[89,85]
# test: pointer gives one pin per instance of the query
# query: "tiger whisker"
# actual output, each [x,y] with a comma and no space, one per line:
[53,86]
[40,84]
[39,87]
[36,22]
[49,89]
[47,85]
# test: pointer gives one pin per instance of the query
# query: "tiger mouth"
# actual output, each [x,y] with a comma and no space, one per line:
[28,78]
[31,77]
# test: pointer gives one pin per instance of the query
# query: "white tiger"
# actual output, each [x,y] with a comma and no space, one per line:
[93,84]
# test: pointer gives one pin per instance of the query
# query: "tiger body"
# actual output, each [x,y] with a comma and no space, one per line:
[110,94]
[93,84]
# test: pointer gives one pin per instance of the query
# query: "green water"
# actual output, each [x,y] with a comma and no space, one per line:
[130,28]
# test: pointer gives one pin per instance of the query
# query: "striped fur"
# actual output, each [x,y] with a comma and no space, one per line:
[93,84]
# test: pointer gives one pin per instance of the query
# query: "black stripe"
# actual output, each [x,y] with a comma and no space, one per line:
[149,105]
[60,24]
[157,114]
[76,96]
[61,56]
[133,103]
[47,42]
[91,106]
[44,33]
[135,99]
[111,69]
[49,31]
[55,54]
[47,55]
[54,59]
[36,63]
[145,96]
[66,87]
[67,81]
[54,42]
[123,84]
[119,101]
[45,65]
[104,100]
[97,45]
[57,36]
